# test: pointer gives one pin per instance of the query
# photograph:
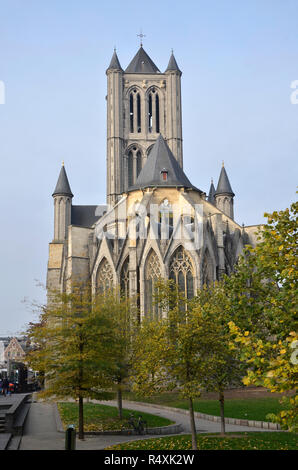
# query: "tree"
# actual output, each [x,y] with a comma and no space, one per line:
[263,295]
[122,326]
[72,341]
[165,351]
[222,367]
[187,348]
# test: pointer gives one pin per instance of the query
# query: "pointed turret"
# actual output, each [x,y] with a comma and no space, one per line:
[161,169]
[62,186]
[115,64]
[211,195]
[141,63]
[224,194]
[62,206]
[172,65]
[224,186]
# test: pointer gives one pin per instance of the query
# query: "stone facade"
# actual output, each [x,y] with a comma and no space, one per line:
[155,223]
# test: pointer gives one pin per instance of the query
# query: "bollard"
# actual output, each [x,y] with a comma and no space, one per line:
[70,438]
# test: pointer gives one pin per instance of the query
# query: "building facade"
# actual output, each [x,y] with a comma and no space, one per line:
[155,222]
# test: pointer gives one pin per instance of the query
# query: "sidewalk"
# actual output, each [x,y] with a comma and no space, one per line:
[41,433]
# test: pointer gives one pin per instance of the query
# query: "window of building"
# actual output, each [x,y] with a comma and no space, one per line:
[181,271]
[104,278]
[153,111]
[124,279]
[152,274]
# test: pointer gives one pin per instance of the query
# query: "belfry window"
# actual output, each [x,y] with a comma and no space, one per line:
[131,112]
[157,112]
[134,165]
[153,112]
[135,112]
[150,113]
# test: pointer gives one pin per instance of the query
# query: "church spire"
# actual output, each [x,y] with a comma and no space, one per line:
[62,186]
[223,186]
[172,65]
[115,64]
[224,196]
[211,195]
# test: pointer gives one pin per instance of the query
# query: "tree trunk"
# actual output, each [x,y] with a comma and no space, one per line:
[192,426]
[81,418]
[119,400]
[222,412]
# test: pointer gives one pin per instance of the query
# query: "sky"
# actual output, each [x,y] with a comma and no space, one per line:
[238,60]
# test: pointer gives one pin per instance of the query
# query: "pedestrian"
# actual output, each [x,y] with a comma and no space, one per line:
[5,386]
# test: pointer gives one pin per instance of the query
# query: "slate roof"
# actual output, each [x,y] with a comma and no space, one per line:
[141,63]
[114,64]
[223,186]
[62,186]
[172,65]
[86,216]
[211,194]
[159,159]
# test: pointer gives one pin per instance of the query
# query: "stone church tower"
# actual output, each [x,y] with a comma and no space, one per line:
[156,223]
[142,103]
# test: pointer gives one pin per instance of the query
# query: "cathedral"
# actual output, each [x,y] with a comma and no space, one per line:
[155,222]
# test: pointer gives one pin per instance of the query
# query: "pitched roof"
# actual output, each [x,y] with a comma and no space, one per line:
[114,64]
[141,63]
[86,216]
[223,186]
[161,159]
[62,186]
[211,193]
[172,65]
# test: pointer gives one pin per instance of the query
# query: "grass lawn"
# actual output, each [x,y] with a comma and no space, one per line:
[99,417]
[232,441]
[242,408]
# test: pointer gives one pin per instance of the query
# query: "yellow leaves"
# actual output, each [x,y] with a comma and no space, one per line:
[283,351]
[280,248]
[246,333]
[246,381]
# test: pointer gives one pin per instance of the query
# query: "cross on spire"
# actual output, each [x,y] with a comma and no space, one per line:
[141,36]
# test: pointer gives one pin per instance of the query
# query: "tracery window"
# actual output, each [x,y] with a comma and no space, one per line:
[104,278]
[181,271]
[152,274]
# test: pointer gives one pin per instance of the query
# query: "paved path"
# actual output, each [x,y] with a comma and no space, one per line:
[41,433]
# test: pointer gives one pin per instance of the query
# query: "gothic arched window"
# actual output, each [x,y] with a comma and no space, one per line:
[153,111]
[134,111]
[152,274]
[124,278]
[181,271]
[207,270]
[134,165]
[104,277]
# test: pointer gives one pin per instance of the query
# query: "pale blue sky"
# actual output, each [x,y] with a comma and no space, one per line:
[238,60]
